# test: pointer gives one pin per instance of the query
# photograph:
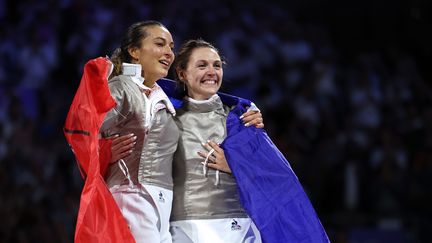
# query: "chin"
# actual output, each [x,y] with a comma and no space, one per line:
[161,75]
[214,91]
[211,93]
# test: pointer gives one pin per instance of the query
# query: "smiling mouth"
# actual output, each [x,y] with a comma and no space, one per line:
[209,82]
[165,63]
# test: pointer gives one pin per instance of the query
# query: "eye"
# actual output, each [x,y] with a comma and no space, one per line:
[159,44]
[201,65]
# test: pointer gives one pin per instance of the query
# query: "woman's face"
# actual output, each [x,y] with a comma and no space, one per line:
[203,75]
[155,54]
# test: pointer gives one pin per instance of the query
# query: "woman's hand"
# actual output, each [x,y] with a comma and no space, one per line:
[252,118]
[122,146]
[217,159]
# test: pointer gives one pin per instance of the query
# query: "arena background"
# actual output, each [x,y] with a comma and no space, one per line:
[344,88]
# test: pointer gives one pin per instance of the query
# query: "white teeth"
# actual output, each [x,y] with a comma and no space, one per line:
[209,81]
[164,62]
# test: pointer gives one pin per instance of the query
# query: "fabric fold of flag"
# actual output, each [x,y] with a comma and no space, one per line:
[99,218]
[269,190]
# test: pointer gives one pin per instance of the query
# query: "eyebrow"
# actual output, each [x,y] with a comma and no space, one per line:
[163,39]
[216,60]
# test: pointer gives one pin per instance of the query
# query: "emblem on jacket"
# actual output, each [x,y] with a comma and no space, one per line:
[235,225]
[161,197]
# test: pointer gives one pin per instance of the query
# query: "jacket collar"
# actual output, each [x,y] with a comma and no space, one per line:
[134,72]
[201,106]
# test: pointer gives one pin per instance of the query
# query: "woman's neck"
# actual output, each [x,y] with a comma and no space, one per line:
[149,83]
[199,97]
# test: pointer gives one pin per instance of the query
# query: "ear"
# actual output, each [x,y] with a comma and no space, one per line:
[134,53]
[181,74]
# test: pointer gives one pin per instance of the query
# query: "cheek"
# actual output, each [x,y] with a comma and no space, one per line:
[195,77]
[144,59]
[149,54]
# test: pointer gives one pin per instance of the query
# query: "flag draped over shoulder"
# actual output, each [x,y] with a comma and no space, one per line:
[99,218]
[269,190]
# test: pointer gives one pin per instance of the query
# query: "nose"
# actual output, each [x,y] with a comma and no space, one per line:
[211,71]
[169,52]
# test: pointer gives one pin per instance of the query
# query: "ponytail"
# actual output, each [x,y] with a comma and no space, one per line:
[117,60]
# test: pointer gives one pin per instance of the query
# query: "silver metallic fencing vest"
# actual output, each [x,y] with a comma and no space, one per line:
[195,194]
[151,158]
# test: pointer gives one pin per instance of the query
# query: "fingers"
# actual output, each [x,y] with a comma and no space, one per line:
[224,168]
[217,159]
[121,155]
[210,146]
[218,151]
[213,145]
[123,140]
[253,118]
[122,146]
[250,115]
[204,155]
[257,122]
[246,116]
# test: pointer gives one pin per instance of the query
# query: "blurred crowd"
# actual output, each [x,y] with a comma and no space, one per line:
[353,122]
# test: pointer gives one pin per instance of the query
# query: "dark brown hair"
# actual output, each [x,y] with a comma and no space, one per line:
[131,38]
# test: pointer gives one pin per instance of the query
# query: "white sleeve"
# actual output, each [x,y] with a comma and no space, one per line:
[253,107]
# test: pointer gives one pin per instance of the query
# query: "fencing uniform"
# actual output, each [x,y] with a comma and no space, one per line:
[142,182]
[206,205]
